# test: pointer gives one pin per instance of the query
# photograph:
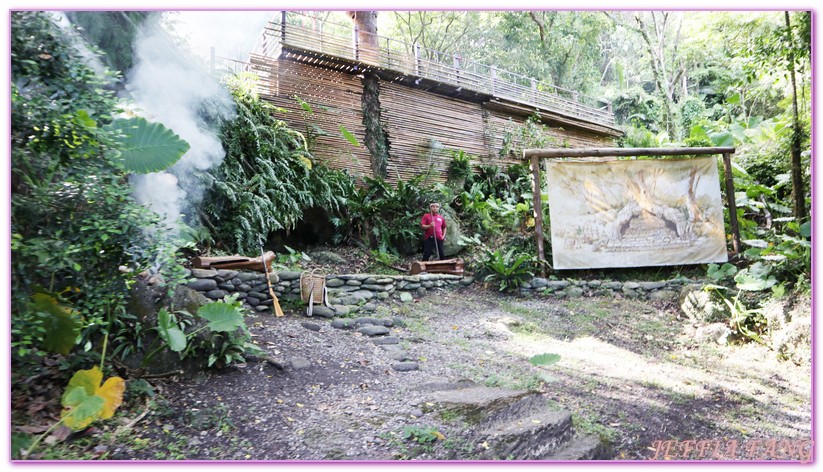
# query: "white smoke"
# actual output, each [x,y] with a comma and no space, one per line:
[169,87]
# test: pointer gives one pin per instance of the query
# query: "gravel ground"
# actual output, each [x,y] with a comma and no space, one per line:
[630,371]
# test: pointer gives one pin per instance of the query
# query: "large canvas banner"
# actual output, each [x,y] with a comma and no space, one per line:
[635,213]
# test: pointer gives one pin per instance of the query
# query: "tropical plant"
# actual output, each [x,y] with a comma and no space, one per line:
[387,217]
[77,233]
[267,179]
[226,341]
[507,269]
[460,168]
[422,435]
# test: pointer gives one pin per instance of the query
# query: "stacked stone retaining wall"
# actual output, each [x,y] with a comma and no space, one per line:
[349,292]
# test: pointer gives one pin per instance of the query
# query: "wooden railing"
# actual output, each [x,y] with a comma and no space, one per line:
[301,32]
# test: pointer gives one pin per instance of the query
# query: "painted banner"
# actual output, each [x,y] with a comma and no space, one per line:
[635,213]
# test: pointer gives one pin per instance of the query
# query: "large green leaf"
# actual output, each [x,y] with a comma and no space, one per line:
[170,332]
[349,136]
[722,138]
[544,359]
[806,229]
[221,316]
[147,147]
[62,324]
[85,400]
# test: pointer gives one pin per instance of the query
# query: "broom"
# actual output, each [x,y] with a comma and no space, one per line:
[276,303]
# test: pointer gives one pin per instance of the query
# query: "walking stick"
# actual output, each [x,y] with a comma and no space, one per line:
[434,230]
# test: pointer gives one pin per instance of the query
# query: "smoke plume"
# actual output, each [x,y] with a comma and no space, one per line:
[169,86]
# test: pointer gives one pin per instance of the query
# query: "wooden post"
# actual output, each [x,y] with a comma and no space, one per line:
[283,26]
[538,207]
[356,41]
[416,59]
[730,201]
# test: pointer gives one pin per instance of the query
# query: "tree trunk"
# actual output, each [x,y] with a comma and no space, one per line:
[658,64]
[367,50]
[798,194]
[365,27]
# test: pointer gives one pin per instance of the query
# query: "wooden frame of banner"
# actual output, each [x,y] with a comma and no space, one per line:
[534,156]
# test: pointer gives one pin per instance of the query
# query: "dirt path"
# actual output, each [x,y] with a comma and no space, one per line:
[627,372]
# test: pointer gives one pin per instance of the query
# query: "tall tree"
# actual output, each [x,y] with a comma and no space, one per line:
[798,193]
[113,32]
[376,140]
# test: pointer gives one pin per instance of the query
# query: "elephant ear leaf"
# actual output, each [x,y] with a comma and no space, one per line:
[62,324]
[222,317]
[544,359]
[147,147]
[85,400]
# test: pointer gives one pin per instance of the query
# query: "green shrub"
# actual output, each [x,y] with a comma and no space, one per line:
[267,178]
[78,236]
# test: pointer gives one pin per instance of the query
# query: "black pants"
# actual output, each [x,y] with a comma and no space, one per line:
[428,249]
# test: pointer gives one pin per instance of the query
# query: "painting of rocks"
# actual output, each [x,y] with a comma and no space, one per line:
[635,213]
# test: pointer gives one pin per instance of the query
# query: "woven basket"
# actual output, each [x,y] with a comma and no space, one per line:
[311,282]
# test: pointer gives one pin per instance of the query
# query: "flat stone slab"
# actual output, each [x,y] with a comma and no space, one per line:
[203,273]
[365,321]
[299,363]
[386,340]
[322,311]
[373,330]
[407,366]
[343,323]
[310,326]
[480,397]
[581,449]
[202,285]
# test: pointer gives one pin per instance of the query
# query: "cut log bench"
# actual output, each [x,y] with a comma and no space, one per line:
[446,266]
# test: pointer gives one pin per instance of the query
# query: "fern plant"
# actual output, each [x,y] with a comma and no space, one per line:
[267,179]
[509,270]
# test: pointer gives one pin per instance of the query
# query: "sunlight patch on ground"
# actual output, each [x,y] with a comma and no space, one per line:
[594,357]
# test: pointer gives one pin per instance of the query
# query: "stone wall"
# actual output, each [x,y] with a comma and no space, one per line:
[345,292]
[664,290]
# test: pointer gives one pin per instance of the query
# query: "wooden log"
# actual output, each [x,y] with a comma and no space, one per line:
[446,266]
[235,262]
[615,152]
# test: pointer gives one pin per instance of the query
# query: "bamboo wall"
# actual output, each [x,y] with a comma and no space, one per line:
[422,127]
[335,99]
[504,130]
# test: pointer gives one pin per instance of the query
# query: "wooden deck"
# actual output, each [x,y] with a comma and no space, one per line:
[301,38]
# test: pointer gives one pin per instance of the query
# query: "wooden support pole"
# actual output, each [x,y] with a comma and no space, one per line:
[416,49]
[538,207]
[730,201]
